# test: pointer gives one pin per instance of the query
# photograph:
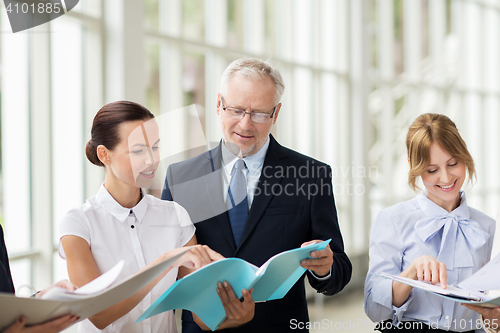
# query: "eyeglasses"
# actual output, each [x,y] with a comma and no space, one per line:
[256,117]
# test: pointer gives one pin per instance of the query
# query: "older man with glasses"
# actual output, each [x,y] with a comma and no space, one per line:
[252,198]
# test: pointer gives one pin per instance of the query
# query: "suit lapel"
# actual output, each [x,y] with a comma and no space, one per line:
[267,180]
[215,193]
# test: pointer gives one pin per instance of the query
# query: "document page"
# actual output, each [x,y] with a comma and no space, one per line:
[487,278]
[449,291]
[93,287]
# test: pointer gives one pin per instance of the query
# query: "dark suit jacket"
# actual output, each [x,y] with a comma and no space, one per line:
[6,285]
[293,203]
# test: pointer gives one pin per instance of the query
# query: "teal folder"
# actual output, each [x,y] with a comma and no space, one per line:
[196,292]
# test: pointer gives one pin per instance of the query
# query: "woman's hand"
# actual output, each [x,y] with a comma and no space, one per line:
[65,284]
[52,326]
[197,257]
[424,268]
[491,316]
[427,268]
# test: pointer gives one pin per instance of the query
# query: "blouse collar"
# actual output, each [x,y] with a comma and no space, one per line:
[114,208]
[432,209]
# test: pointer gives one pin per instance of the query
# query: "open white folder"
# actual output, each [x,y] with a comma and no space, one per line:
[97,295]
[470,290]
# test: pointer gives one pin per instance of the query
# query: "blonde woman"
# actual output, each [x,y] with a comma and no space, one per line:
[434,237]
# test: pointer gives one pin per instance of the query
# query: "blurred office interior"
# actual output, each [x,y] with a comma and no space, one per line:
[357,73]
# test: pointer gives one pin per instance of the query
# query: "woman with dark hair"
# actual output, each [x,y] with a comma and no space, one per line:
[121,222]
[434,237]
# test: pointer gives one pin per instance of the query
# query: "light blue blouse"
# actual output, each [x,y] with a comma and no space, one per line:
[461,239]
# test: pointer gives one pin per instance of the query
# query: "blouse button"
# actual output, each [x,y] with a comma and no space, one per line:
[132,226]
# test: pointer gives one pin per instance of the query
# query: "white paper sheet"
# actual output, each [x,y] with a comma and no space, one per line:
[486,278]
[449,291]
[37,310]
[93,287]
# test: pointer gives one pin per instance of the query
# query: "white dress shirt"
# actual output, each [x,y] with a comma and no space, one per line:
[254,164]
[462,239]
[138,236]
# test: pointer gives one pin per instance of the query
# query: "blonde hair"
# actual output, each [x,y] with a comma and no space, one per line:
[432,128]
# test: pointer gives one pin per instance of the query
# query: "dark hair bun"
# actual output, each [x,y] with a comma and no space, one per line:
[106,124]
[91,152]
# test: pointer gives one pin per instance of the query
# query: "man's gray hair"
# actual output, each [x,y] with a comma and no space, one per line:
[253,69]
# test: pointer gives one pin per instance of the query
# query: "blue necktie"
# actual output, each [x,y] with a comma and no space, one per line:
[237,203]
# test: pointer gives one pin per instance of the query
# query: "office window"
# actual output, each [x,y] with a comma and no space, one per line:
[51,81]
[357,73]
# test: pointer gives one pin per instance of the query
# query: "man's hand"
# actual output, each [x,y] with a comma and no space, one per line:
[238,312]
[321,262]
[491,316]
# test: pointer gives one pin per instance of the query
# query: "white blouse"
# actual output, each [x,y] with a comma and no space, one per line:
[138,236]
